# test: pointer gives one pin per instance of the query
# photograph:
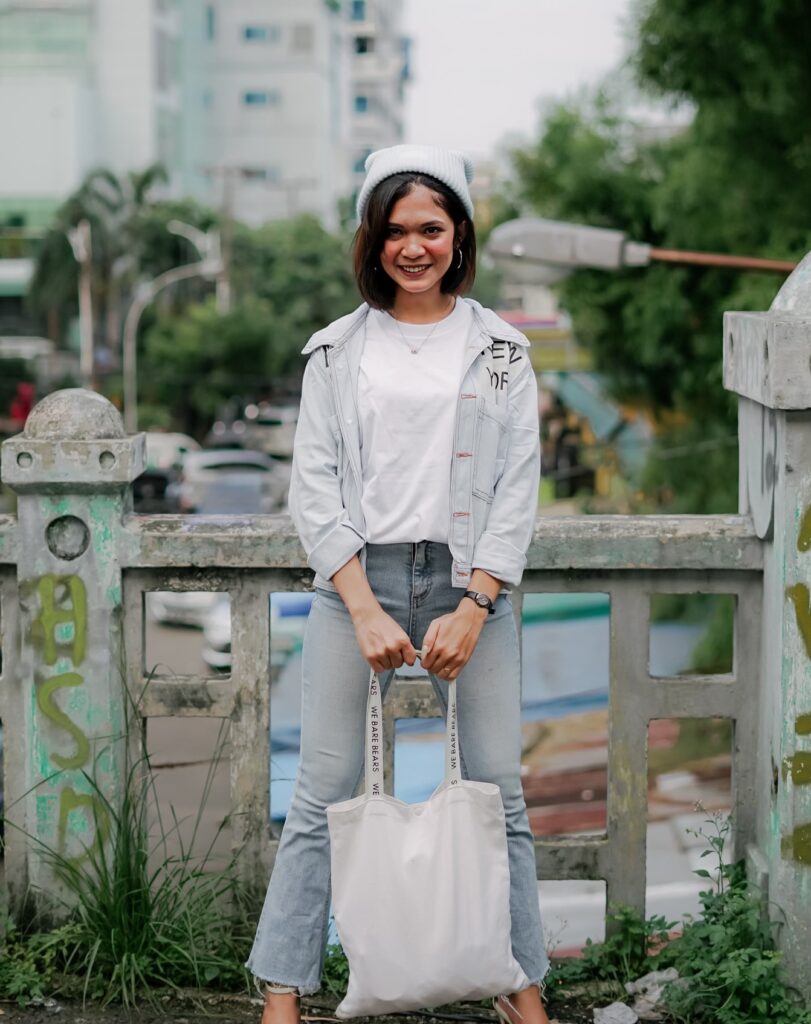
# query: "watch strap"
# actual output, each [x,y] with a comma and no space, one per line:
[482,600]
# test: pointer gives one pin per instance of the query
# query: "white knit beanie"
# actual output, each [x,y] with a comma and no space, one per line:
[446,165]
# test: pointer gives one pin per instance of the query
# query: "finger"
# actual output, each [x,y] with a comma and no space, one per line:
[430,635]
[409,654]
[440,668]
[430,651]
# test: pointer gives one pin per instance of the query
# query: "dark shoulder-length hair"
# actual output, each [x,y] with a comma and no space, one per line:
[374,284]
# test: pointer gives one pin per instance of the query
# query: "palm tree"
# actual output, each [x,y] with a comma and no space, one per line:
[113,205]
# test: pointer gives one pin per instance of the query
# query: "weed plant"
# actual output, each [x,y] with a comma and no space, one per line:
[728,954]
[335,973]
[138,916]
[29,963]
[628,952]
[729,969]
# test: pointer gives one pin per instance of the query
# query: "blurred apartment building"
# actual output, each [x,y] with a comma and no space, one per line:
[290,96]
[83,84]
[269,106]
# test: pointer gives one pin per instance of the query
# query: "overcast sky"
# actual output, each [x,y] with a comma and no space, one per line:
[480,67]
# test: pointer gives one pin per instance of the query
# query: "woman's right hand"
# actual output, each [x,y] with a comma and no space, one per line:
[383,643]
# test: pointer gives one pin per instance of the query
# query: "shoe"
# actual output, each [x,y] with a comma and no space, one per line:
[502,1013]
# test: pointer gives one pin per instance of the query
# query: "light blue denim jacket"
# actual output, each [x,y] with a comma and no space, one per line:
[496,460]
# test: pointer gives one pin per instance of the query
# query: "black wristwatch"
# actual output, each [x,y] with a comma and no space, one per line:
[482,600]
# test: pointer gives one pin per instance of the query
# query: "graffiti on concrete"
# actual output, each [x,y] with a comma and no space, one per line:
[61,626]
[804,536]
[797,767]
[801,600]
[59,634]
[797,846]
[46,704]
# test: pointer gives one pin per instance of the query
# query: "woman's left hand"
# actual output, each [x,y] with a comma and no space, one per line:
[451,639]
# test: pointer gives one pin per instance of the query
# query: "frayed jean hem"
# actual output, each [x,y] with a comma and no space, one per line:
[259,983]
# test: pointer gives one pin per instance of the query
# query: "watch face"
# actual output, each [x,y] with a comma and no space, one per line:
[482,600]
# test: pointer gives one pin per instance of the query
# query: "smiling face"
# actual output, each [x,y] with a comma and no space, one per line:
[419,244]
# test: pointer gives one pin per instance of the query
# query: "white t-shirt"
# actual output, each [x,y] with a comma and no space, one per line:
[407,407]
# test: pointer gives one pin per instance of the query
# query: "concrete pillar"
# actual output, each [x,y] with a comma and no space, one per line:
[71,468]
[767,362]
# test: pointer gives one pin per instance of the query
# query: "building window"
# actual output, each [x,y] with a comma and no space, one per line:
[261,33]
[211,22]
[303,38]
[361,104]
[359,10]
[364,44]
[260,173]
[260,98]
[165,61]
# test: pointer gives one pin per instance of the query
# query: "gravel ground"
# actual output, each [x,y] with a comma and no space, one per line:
[217,1008]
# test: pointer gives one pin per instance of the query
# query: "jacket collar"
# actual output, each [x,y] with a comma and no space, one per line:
[340,330]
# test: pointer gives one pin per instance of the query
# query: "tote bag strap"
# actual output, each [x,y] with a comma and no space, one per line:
[453,773]
[374,739]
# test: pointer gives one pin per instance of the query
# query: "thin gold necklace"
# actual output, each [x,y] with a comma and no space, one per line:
[414,351]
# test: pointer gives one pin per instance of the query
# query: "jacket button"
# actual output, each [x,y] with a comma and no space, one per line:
[348,419]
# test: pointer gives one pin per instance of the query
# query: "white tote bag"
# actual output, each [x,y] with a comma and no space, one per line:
[421,892]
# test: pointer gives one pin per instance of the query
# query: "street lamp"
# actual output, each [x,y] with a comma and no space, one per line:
[208,266]
[532,250]
[79,238]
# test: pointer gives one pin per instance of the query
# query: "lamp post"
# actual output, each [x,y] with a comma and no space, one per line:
[209,266]
[79,238]
[532,250]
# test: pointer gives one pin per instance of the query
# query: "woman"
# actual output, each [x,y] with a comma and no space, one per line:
[414,491]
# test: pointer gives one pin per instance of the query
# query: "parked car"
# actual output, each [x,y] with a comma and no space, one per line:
[152,491]
[271,428]
[180,607]
[217,634]
[288,617]
[231,481]
[165,450]
[228,434]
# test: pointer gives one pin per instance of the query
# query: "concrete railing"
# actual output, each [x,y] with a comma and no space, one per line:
[75,564]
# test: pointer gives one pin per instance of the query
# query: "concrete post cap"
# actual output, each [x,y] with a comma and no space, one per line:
[795,293]
[74,414]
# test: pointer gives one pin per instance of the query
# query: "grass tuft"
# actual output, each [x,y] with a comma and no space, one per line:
[138,915]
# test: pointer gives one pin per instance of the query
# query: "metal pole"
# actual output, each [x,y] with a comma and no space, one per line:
[716,259]
[223,286]
[79,238]
[144,295]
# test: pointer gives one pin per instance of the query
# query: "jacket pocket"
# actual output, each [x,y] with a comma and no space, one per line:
[490,449]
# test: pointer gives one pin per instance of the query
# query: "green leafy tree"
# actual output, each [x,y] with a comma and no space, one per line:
[289,279]
[194,362]
[733,180]
[300,267]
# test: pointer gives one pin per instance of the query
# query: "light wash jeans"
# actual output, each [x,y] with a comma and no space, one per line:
[413,584]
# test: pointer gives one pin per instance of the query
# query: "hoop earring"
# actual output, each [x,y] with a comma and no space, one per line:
[461,259]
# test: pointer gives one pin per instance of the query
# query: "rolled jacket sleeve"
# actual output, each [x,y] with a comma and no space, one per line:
[501,549]
[328,537]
